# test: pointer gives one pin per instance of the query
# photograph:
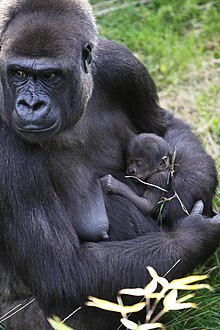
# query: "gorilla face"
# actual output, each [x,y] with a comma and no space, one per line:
[46,74]
[36,87]
[48,96]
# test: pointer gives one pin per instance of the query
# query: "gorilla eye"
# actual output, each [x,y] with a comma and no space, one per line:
[49,76]
[21,74]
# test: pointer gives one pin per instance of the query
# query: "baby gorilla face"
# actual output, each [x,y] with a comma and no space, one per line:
[147,154]
[139,167]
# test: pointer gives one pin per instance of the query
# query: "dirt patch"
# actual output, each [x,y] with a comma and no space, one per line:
[197,101]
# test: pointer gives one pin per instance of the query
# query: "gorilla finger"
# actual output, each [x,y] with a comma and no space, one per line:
[198,207]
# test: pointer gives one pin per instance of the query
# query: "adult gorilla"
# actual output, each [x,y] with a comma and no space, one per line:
[68,100]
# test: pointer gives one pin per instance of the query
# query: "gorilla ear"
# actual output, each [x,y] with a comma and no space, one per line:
[164,163]
[86,57]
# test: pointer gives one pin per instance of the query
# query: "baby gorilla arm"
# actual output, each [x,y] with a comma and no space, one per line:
[145,204]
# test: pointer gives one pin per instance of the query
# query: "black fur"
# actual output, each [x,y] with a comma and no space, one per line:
[54,151]
[179,169]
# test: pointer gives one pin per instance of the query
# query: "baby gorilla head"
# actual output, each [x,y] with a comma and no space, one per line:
[147,154]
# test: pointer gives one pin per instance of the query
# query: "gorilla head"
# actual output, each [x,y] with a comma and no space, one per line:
[46,69]
[147,154]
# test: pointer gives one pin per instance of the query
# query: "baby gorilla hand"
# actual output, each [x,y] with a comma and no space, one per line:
[111,185]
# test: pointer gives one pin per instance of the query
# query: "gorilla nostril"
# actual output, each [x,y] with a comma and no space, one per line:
[23,103]
[38,105]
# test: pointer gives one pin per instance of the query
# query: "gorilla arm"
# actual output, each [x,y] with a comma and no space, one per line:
[145,204]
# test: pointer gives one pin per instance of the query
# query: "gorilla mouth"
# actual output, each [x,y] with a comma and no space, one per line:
[31,128]
[37,133]
[43,122]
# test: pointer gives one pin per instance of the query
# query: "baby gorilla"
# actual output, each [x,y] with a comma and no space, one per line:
[148,159]
[164,171]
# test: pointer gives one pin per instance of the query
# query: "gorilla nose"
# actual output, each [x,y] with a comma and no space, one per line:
[24,105]
[131,171]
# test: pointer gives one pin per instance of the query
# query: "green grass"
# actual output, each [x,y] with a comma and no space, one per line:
[166,35]
[179,42]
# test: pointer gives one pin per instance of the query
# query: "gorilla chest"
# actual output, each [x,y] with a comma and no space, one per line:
[75,173]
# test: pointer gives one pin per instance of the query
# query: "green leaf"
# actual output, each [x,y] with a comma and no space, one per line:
[58,326]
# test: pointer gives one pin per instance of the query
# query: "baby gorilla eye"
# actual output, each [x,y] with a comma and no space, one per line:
[140,162]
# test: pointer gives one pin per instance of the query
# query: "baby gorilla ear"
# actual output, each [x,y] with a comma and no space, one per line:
[164,163]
